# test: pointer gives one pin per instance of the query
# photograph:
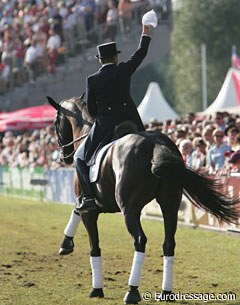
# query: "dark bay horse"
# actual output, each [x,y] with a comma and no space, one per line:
[138,168]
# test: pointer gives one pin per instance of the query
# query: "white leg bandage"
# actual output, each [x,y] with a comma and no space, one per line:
[96,266]
[136,271]
[167,283]
[72,225]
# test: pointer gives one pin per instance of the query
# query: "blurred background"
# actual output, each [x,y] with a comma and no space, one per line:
[48,48]
[188,86]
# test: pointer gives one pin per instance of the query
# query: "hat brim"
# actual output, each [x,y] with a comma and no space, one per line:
[102,57]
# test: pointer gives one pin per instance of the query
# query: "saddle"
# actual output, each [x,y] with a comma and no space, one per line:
[120,131]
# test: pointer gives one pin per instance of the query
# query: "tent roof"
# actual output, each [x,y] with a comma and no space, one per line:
[229,95]
[154,106]
[27,118]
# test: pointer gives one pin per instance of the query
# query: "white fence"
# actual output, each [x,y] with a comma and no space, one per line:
[58,186]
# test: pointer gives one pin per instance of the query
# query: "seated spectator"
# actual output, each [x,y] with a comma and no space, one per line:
[101,11]
[237,123]
[154,125]
[57,23]
[110,30]
[8,150]
[41,40]
[87,8]
[215,155]
[230,132]
[186,149]
[179,134]
[207,123]
[62,10]
[230,120]
[234,161]
[219,120]
[8,135]
[125,16]
[199,154]
[20,54]
[30,60]
[53,44]
[236,142]
[3,160]
[23,160]
[55,155]
[207,135]
[4,76]
[42,159]
[69,23]
[190,118]
[8,46]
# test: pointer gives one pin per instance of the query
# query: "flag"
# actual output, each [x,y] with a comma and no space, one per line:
[235,58]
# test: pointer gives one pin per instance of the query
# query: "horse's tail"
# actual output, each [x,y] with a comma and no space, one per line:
[203,192]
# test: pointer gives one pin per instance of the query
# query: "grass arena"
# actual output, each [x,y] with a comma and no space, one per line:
[32,272]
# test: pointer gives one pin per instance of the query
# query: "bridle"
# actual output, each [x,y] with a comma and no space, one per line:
[69,144]
[63,146]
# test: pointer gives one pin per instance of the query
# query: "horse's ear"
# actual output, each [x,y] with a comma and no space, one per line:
[53,103]
[82,96]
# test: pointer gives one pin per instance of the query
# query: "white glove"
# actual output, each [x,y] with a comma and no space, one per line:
[150,18]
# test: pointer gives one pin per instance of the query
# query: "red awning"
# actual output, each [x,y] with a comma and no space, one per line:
[27,118]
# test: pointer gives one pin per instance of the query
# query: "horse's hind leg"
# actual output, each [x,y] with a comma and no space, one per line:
[169,199]
[132,220]
[90,222]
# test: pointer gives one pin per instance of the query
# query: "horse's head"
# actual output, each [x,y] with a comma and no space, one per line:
[72,124]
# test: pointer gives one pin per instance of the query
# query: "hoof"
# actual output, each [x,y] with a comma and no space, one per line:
[167,296]
[96,293]
[67,246]
[132,297]
[166,292]
[64,251]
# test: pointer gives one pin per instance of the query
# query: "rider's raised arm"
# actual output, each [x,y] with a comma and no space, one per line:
[149,21]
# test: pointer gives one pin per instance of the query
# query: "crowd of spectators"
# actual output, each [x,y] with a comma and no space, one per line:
[30,149]
[210,145]
[36,35]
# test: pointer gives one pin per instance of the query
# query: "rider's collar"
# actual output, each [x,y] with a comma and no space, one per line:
[108,64]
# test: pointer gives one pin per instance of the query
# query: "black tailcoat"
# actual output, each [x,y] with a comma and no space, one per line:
[109,100]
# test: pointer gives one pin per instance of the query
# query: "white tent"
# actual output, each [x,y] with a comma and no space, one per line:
[229,96]
[154,106]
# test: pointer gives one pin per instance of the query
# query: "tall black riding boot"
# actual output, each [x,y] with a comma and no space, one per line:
[88,201]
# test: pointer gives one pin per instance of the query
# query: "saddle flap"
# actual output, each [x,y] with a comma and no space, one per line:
[95,168]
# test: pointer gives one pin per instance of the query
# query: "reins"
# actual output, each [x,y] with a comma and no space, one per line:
[71,143]
[74,141]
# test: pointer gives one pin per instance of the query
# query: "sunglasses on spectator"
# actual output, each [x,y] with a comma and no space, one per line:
[219,136]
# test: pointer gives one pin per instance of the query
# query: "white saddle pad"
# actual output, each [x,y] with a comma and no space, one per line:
[94,169]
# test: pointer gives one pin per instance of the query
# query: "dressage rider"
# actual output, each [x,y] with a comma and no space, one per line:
[109,102]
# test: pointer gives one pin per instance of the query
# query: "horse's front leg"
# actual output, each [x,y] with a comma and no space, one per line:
[132,220]
[90,222]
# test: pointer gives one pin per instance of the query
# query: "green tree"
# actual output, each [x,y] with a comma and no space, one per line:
[216,23]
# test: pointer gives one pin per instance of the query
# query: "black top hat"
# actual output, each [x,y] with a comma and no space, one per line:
[107,50]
